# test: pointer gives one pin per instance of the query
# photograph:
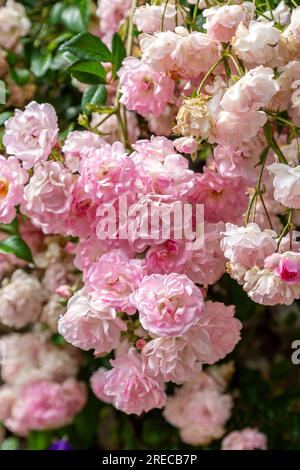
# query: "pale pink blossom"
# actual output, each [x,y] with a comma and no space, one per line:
[295,23]
[253,91]
[114,277]
[186,145]
[162,170]
[246,439]
[216,334]
[265,287]
[173,358]
[12,180]
[107,173]
[30,357]
[21,300]
[30,135]
[47,196]
[90,324]
[112,14]
[207,264]
[286,184]
[224,198]
[148,18]
[89,250]
[14,23]
[81,216]
[199,410]
[158,50]
[240,161]
[78,145]
[45,405]
[168,304]
[256,44]
[248,246]
[98,381]
[128,387]
[57,274]
[144,89]
[232,127]
[179,358]
[194,53]
[286,265]
[167,257]
[222,21]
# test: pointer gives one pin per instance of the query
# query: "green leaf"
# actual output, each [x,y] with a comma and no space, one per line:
[88,71]
[87,46]
[39,440]
[95,95]
[101,109]
[11,443]
[76,17]
[273,144]
[12,228]
[40,62]
[56,12]
[20,76]
[119,53]
[16,246]
[4,116]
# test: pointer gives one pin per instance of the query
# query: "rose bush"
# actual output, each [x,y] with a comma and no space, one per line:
[121,330]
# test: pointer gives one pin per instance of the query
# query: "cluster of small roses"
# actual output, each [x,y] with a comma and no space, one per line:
[229,84]
[201,408]
[39,388]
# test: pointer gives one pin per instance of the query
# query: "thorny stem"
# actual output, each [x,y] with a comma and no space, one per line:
[257,192]
[209,72]
[120,109]
[289,226]
[163,16]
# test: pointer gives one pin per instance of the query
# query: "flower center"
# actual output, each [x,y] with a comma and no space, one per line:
[4,187]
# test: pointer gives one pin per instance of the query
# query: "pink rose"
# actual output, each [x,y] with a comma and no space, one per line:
[186,145]
[224,198]
[30,135]
[128,387]
[143,89]
[222,21]
[90,324]
[167,257]
[45,405]
[207,264]
[238,129]
[265,287]
[246,439]
[286,265]
[12,180]
[216,334]
[256,44]
[114,277]
[47,196]
[148,18]
[107,173]
[248,246]
[199,410]
[286,184]
[253,91]
[194,53]
[21,300]
[168,304]
[77,146]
